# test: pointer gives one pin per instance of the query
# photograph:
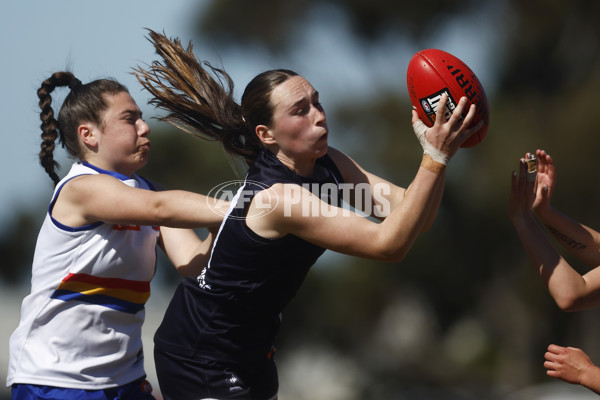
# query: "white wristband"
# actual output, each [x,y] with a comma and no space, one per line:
[436,155]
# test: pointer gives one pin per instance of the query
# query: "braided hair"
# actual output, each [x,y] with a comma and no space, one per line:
[199,97]
[84,103]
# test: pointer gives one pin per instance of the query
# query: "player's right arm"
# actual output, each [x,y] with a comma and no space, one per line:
[299,212]
[90,198]
[303,214]
[436,137]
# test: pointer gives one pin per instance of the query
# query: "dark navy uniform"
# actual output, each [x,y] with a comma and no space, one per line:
[218,332]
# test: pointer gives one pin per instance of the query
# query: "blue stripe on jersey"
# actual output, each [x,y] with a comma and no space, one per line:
[98,299]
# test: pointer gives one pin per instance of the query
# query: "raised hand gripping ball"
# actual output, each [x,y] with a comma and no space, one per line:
[432,73]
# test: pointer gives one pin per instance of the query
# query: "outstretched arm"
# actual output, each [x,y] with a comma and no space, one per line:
[579,240]
[572,365]
[393,195]
[348,233]
[90,198]
[570,290]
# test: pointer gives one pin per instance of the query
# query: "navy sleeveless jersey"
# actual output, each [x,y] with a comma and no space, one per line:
[231,312]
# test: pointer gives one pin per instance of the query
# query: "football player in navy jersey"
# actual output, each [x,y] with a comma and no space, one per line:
[216,339]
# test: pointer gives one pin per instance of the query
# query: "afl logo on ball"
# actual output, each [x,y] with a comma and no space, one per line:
[425,106]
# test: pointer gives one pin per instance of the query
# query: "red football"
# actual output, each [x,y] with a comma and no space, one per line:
[433,72]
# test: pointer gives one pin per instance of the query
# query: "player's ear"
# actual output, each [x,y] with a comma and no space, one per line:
[88,134]
[265,134]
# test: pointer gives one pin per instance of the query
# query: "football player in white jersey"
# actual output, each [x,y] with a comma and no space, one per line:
[80,330]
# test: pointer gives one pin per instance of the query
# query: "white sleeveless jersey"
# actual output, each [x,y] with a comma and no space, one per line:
[81,325]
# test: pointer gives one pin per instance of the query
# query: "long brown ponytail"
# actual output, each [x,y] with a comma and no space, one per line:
[199,98]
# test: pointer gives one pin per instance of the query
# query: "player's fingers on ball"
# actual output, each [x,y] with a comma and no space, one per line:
[456,119]
[472,129]
[465,131]
[415,116]
[479,125]
[466,121]
[441,110]
[470,114]
[460,107]
[465,134]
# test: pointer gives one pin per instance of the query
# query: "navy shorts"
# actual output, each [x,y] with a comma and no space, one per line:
[138,390]
[186,378]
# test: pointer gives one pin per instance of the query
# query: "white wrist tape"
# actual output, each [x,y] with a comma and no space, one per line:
[436,155]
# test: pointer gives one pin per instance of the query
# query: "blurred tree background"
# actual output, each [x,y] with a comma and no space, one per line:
[464,316]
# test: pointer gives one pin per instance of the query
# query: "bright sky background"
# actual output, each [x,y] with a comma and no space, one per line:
[96,39]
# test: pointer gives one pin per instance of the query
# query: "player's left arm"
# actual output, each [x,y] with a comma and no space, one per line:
[187,252]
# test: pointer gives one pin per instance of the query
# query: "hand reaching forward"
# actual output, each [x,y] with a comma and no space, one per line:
[546,179]
[572,365]
[444,138]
